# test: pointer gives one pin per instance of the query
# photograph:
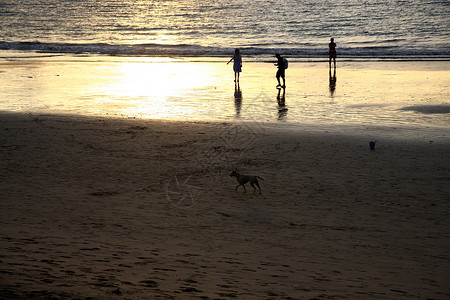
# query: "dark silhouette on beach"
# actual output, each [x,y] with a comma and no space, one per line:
[281,70]
[333,80]
[332,52]
[237,66]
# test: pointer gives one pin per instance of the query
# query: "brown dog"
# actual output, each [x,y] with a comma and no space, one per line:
[243,179]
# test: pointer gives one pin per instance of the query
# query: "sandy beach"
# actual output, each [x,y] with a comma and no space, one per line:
[122,123]
[101,208]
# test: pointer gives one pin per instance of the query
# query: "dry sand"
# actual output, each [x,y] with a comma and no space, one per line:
[91,209]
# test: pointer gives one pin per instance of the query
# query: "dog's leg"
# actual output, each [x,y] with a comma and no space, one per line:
[245,191]
[254,182]
[257,184]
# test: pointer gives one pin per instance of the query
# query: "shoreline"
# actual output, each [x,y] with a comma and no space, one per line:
[18,54]
[118,208]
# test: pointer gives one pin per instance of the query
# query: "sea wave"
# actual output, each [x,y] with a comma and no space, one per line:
[186,50]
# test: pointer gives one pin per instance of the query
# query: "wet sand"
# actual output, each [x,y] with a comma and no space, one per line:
[99,208]
[359,92]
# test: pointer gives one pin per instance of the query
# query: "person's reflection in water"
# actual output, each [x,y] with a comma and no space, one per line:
[237,99]
[332,82]
[281,100]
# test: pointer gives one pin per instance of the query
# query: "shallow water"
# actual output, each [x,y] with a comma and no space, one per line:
[215,27]
[379,93]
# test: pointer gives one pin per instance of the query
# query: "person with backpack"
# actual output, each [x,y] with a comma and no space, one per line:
[282,65]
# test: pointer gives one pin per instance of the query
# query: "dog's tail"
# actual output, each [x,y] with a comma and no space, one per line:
[259,177]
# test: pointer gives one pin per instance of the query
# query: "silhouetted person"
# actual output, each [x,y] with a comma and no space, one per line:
[332,82]
[237,66]
[281,64]
[332,51]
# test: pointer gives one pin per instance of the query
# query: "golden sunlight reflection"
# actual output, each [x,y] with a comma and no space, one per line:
[148,88]
[164,88]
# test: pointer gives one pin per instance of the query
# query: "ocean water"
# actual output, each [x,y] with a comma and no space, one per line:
[405,29]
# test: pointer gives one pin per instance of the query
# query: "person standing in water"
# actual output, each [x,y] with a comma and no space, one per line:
[281,64]
[332,52]
[237,66]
